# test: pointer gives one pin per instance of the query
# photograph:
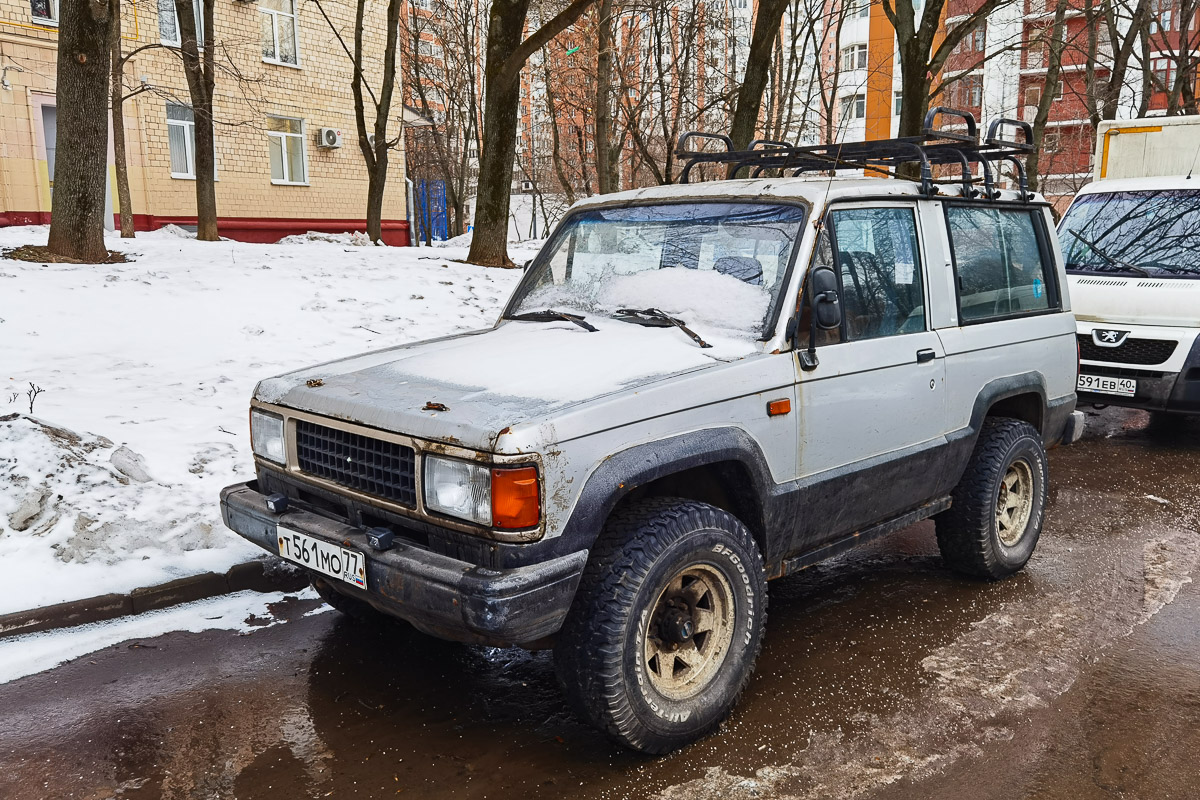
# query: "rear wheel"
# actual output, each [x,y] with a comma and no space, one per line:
[666,625]
[993,526]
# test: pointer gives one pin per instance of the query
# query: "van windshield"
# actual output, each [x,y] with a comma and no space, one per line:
[1135,233]
[719,266]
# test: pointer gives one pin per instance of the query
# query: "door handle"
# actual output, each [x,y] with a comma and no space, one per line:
[925,356]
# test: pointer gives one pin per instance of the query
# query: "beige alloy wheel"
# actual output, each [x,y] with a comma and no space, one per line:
[691,626]
[1014,503]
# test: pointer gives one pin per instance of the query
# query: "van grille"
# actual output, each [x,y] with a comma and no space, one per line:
[384,469]
[1131,351]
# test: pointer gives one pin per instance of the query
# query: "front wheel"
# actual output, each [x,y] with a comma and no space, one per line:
[995,520]
[666,625]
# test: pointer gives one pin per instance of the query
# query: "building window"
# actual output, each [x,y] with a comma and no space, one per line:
[168,23]
[854,57]
[181,137]
[279,31]
[863,9]
[969,92]
[1051,143]
[1033,95]
[854,107]
[1164,73]
[44,10]
[285,137]
[897,102]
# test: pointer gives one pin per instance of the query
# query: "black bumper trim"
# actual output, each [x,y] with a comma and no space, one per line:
[439,595]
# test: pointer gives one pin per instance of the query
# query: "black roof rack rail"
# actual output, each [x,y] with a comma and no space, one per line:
[934,146]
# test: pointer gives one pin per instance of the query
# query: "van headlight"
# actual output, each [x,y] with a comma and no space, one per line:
[495,497]
[266,436]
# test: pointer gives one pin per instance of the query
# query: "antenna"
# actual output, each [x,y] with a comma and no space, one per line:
[1193,167]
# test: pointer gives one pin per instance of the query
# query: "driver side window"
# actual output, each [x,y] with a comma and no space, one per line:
[878,258]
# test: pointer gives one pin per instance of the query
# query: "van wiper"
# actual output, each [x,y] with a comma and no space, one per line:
[653,318]
[550,315]
[1115,262]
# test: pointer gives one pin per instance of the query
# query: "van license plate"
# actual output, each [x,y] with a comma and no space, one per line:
[1126,387]
[327,559]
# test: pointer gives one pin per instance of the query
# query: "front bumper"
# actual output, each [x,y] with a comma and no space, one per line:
[439,595]
[1172,386]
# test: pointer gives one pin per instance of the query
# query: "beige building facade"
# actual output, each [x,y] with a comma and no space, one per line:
[287,151]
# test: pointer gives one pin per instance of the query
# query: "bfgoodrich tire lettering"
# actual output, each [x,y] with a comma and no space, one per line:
[666,625]
[996,518]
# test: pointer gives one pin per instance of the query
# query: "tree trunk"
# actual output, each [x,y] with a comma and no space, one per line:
[118,126]
[201,78]
[1049,89]
[758,63]
[501,103]
[81,171]
[603,104]
[506,54]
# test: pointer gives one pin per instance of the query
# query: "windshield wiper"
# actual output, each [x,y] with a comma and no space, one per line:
[653,318]
[550,315]
[1115,262]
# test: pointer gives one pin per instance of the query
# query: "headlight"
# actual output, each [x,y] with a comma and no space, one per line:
[500,497]
[266,436]
[459,488]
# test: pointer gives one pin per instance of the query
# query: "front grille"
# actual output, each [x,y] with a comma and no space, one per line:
[1131,351]
[384,469]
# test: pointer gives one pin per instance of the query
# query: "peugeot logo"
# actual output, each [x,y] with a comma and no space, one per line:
[349,460]
[1110,338]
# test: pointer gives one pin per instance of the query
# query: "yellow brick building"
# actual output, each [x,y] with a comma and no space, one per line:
[283,77]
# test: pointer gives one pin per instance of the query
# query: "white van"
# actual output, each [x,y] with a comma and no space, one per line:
[1132,252]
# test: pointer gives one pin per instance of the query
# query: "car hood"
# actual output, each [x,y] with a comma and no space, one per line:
[466,389]
[1169,302]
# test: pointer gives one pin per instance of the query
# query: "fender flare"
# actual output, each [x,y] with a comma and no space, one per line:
[619,474]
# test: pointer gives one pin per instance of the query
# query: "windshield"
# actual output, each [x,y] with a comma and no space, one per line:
[1139,233]
[713,265]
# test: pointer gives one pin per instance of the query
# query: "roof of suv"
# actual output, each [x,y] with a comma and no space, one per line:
[813,189]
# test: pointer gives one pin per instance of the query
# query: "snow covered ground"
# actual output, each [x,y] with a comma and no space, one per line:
[147,369]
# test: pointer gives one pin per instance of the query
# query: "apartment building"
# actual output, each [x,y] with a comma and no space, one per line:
[287,154]
[1000,70]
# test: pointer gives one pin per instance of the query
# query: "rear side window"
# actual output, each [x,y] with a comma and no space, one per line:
[1000,262]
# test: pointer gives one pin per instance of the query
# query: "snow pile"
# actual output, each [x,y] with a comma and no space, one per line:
[80,506]
[161,356]
[353,239]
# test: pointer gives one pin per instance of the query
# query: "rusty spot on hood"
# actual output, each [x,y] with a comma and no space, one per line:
[432,406]
[313,383]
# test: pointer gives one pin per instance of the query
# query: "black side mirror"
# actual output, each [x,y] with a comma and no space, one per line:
[827,308]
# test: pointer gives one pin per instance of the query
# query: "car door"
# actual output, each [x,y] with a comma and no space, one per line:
[872,411]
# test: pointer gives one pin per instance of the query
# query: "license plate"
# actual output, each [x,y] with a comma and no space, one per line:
[1126,387]
[328,559]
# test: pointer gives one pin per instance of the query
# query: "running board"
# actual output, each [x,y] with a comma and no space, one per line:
[857,538]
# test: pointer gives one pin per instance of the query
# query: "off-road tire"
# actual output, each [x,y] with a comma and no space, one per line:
[601,655]
[350,606]
[969,533]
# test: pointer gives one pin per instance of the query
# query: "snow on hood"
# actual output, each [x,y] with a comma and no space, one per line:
[497,378]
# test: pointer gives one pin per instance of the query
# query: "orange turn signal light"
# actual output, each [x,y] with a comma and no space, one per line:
[515,500]
[777,408]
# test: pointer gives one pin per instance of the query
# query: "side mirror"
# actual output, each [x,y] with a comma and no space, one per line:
[827,309]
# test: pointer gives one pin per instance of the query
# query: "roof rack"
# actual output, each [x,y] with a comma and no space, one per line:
[933,146]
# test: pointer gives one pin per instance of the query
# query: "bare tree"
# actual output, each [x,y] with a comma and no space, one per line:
[117,109]
[924,45]
[80,175]
[1054,41]
[199,66]
[507,51]
[767,18]
[1113,29]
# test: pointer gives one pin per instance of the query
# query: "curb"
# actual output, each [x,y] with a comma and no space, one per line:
[260,575]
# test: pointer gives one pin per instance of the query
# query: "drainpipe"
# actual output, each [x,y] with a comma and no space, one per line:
[413,240]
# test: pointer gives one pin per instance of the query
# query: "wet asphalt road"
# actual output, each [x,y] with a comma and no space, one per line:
[883,676]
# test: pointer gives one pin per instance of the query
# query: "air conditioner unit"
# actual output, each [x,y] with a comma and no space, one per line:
[329,137]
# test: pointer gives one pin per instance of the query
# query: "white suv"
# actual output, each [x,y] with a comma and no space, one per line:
[694,389]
